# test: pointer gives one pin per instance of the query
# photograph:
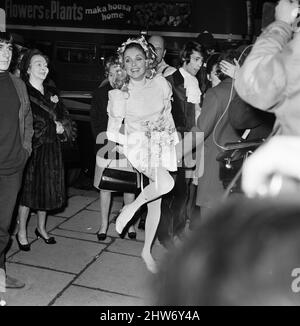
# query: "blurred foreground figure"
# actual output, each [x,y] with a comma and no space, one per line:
[274,169]
[246,254]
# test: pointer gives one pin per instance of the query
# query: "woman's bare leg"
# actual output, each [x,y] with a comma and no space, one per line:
[42,215]
[105,199]
[23,214]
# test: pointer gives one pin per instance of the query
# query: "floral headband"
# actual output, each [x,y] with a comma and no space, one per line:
[151,55]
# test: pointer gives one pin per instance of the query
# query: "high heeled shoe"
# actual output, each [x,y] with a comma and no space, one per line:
[101,236]
[23,247]
[50,240]
[132,235]
[127,215]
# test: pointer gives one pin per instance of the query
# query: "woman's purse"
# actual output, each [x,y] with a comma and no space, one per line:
[119,180]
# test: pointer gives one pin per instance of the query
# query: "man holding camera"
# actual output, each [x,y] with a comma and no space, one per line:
[270,76]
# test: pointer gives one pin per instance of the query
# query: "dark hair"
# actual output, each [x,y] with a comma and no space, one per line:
[18,53]
[189,47]
[211,61]
[207,40]
[228,56]
[25,62]
[154,63]
[6,37]
[112,60]
[243,255]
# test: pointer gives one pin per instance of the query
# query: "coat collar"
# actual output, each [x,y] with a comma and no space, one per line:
[17,85]
[178,78]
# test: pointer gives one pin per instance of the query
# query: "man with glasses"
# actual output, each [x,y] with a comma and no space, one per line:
[15,147]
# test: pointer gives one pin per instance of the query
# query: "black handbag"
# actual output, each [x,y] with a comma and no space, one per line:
[119,180]
[232,159]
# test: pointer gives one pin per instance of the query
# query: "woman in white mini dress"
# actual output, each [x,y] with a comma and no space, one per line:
[144,104]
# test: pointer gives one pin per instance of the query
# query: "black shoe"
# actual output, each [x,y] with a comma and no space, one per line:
[50,240]
[122,235]
[13,283]
[141,225]
[132,235]
[23,247]
[101,236]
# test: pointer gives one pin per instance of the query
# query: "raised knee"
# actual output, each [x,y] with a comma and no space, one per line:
[166,185]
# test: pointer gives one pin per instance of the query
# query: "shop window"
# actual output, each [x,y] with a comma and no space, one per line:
[76,53]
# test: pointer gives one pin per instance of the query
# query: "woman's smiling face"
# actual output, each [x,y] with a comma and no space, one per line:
[38,68]
[135,63]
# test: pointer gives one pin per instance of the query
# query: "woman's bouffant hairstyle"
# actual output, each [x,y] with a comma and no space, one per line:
[25,62]
[140,43]
[189,47]
[146,48]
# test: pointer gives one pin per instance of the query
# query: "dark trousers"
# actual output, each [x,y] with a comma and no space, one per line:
[9,188]
[174,209]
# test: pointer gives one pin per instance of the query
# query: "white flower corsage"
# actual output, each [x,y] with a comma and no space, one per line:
[54,99]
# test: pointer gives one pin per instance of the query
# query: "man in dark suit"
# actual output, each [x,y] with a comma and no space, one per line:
[176,205]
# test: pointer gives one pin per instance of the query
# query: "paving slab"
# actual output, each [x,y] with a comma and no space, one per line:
[85,221]
[117,273]
[41,285]
[52,222]
[116,205]
[80,296]
[128,247]
[134,248]
[79,235]
[75,204]
[82,192]
[68,255]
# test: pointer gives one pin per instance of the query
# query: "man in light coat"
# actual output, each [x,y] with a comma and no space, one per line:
[270,77]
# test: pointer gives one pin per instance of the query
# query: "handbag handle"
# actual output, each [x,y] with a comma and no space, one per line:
[140,177]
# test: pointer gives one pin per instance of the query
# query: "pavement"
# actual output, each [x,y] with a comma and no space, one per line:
[79,270]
